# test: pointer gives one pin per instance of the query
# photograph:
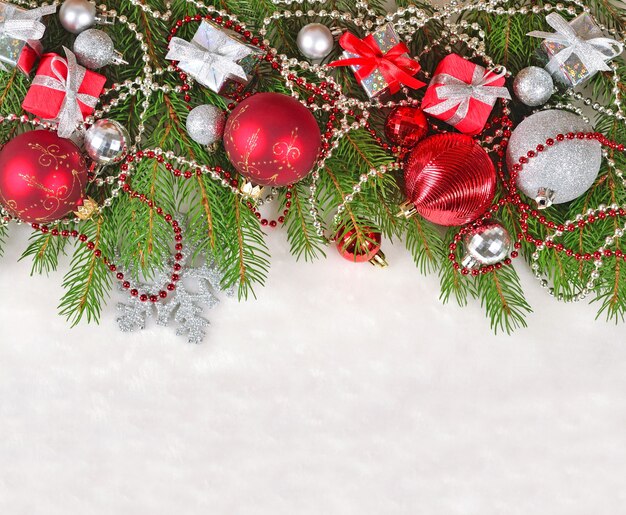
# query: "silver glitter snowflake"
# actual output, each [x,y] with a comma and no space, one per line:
[196,291]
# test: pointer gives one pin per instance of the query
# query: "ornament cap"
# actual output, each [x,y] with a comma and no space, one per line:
[379,260]
[250,190]
[470,262]
[544,198]
[117,58]
[105,19]
[407,210]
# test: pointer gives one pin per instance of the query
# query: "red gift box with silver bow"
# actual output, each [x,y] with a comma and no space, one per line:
[463,94]
[63,91]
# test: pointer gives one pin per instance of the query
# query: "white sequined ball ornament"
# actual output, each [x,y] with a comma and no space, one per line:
[205,124]
[533,86]
[315,41]
[94,49]
[486,245]
[563,171]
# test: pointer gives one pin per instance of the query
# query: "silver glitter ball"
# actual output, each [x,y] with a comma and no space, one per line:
[562,172]
[487,245]
[94,49]
[77,15]
[533,86]
[205,124]
[315,41]
[106,142]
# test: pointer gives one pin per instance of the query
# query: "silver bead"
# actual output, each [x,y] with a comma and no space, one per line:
[533,86]
[94,49]
[486,245]
[315,41]
[205,124]
[77,15]
[106,142]
[569,168]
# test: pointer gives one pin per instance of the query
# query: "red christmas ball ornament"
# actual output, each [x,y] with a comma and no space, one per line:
[272,139]
[359,250]
[42,176]
[406,126]
[449,180]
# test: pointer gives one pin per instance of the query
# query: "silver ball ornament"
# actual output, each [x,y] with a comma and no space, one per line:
[533,86]
[77,15]
[315,41]
[562,172]
[205,124]
[106,142]
[486,245]
[94,49]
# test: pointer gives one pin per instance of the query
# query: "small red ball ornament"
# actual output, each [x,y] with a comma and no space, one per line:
[42,176]
[449,180]
[272,139]
[368,249]
[406,126]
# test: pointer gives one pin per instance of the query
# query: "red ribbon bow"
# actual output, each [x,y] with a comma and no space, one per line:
[395,66]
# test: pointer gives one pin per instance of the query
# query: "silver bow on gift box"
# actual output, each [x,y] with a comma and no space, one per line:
[456,93]
[593,53]
[23,25]
[70,114]
[210,65]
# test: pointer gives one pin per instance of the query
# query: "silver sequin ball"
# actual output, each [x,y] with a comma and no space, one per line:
[533,86]
[106,142]
[562,172]
[205,124]
[94,49]
[487,245]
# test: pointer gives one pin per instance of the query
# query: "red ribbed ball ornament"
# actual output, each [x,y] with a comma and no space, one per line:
[272,139]
[406,126]
[42,176]
[450,179]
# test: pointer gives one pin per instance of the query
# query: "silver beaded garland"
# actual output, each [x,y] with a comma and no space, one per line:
[533,86]
[205,124]
[77,15]
[562,172]
[106,142]
[94,49]
[315,41]
[486,245]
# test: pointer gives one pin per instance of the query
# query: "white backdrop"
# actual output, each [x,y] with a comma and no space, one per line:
[343,389]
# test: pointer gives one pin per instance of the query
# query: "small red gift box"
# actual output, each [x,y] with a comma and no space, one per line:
[29,55]
[463,94]
[47,92]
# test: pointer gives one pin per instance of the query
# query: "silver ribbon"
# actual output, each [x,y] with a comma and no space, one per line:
[593,53]
[210,65]
[455,93]
[70,114]
[24,25]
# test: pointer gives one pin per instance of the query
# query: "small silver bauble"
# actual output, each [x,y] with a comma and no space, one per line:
[533,86]
[205,124]
[562,172]
[486,245]
[106,142]
[94,49]
[77,15]
[315,41]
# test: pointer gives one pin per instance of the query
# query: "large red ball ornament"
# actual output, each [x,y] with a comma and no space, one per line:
[272,139]
[450,179]
[406,126]
[42,176]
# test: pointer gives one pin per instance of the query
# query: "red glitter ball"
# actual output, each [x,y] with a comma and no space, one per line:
[406,126]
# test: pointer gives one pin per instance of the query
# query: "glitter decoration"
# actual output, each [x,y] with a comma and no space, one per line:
[533,86]
[197,290]
[568,168]
[205,124]
[487,245]
[94,49]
